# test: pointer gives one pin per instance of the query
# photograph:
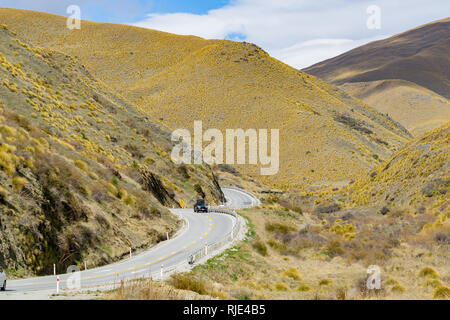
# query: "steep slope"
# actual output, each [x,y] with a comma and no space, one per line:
[119,55]
[325,135]
[417,177]
[418,109]
[323,132]
[83,175]
[419,56]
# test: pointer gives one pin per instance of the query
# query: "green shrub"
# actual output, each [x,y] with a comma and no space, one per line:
[260,247]
[281,286]
[278,227]
[334,249]
[298,210]
[434,283]
[398,289]
[391,282]
[18,183]
[3,193]
[428,272]
[122,194]
[186,282]
[441,292]
[303,288]
[292,273]
[129,200]
[81,165]
[325,282]
[112,189]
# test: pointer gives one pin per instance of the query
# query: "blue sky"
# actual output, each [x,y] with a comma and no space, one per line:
[117,11]
[196,7]
[297,32]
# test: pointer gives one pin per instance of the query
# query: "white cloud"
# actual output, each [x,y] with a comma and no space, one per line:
[307,53]
[301,32]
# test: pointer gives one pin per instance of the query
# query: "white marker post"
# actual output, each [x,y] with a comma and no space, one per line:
[85,265]
[162,266]
[206,248]
[130,253]
[54,269]
[167,234]
[57,285]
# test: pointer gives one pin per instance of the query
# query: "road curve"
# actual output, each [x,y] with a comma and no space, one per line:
[200,229]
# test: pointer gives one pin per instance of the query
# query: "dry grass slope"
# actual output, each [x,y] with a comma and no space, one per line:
[325,134]
[74,159]
[418,109]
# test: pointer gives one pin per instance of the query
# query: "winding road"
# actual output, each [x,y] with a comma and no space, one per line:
[200,229]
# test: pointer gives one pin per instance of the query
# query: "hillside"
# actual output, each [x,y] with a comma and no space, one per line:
[405,76]
[416,178]
[419,55]
[84,176]
[397,217]
[326,136]
[418,109]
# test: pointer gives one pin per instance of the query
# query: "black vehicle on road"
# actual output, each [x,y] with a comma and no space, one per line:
[200,206]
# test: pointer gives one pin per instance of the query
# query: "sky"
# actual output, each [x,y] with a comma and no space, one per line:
[298,32]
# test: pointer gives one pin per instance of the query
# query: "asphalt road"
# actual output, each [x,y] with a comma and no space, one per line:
[200,229]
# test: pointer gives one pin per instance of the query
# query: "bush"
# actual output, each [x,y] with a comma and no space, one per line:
[334,249]
[281,247]
[391,281]
[122,194]
[278,227]
[134,150]
[303,288]
[433,283]
[292,273]
[428,272]
[129,200]
[398,289]
[186,282]
[155,212]
[441,292]
[18,183]
[281,286]
[112,189]
[81,165]
[260,247]
[325,282]
[3,193]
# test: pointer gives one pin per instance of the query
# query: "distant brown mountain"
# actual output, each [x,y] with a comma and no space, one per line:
[405,76]
[419,55]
